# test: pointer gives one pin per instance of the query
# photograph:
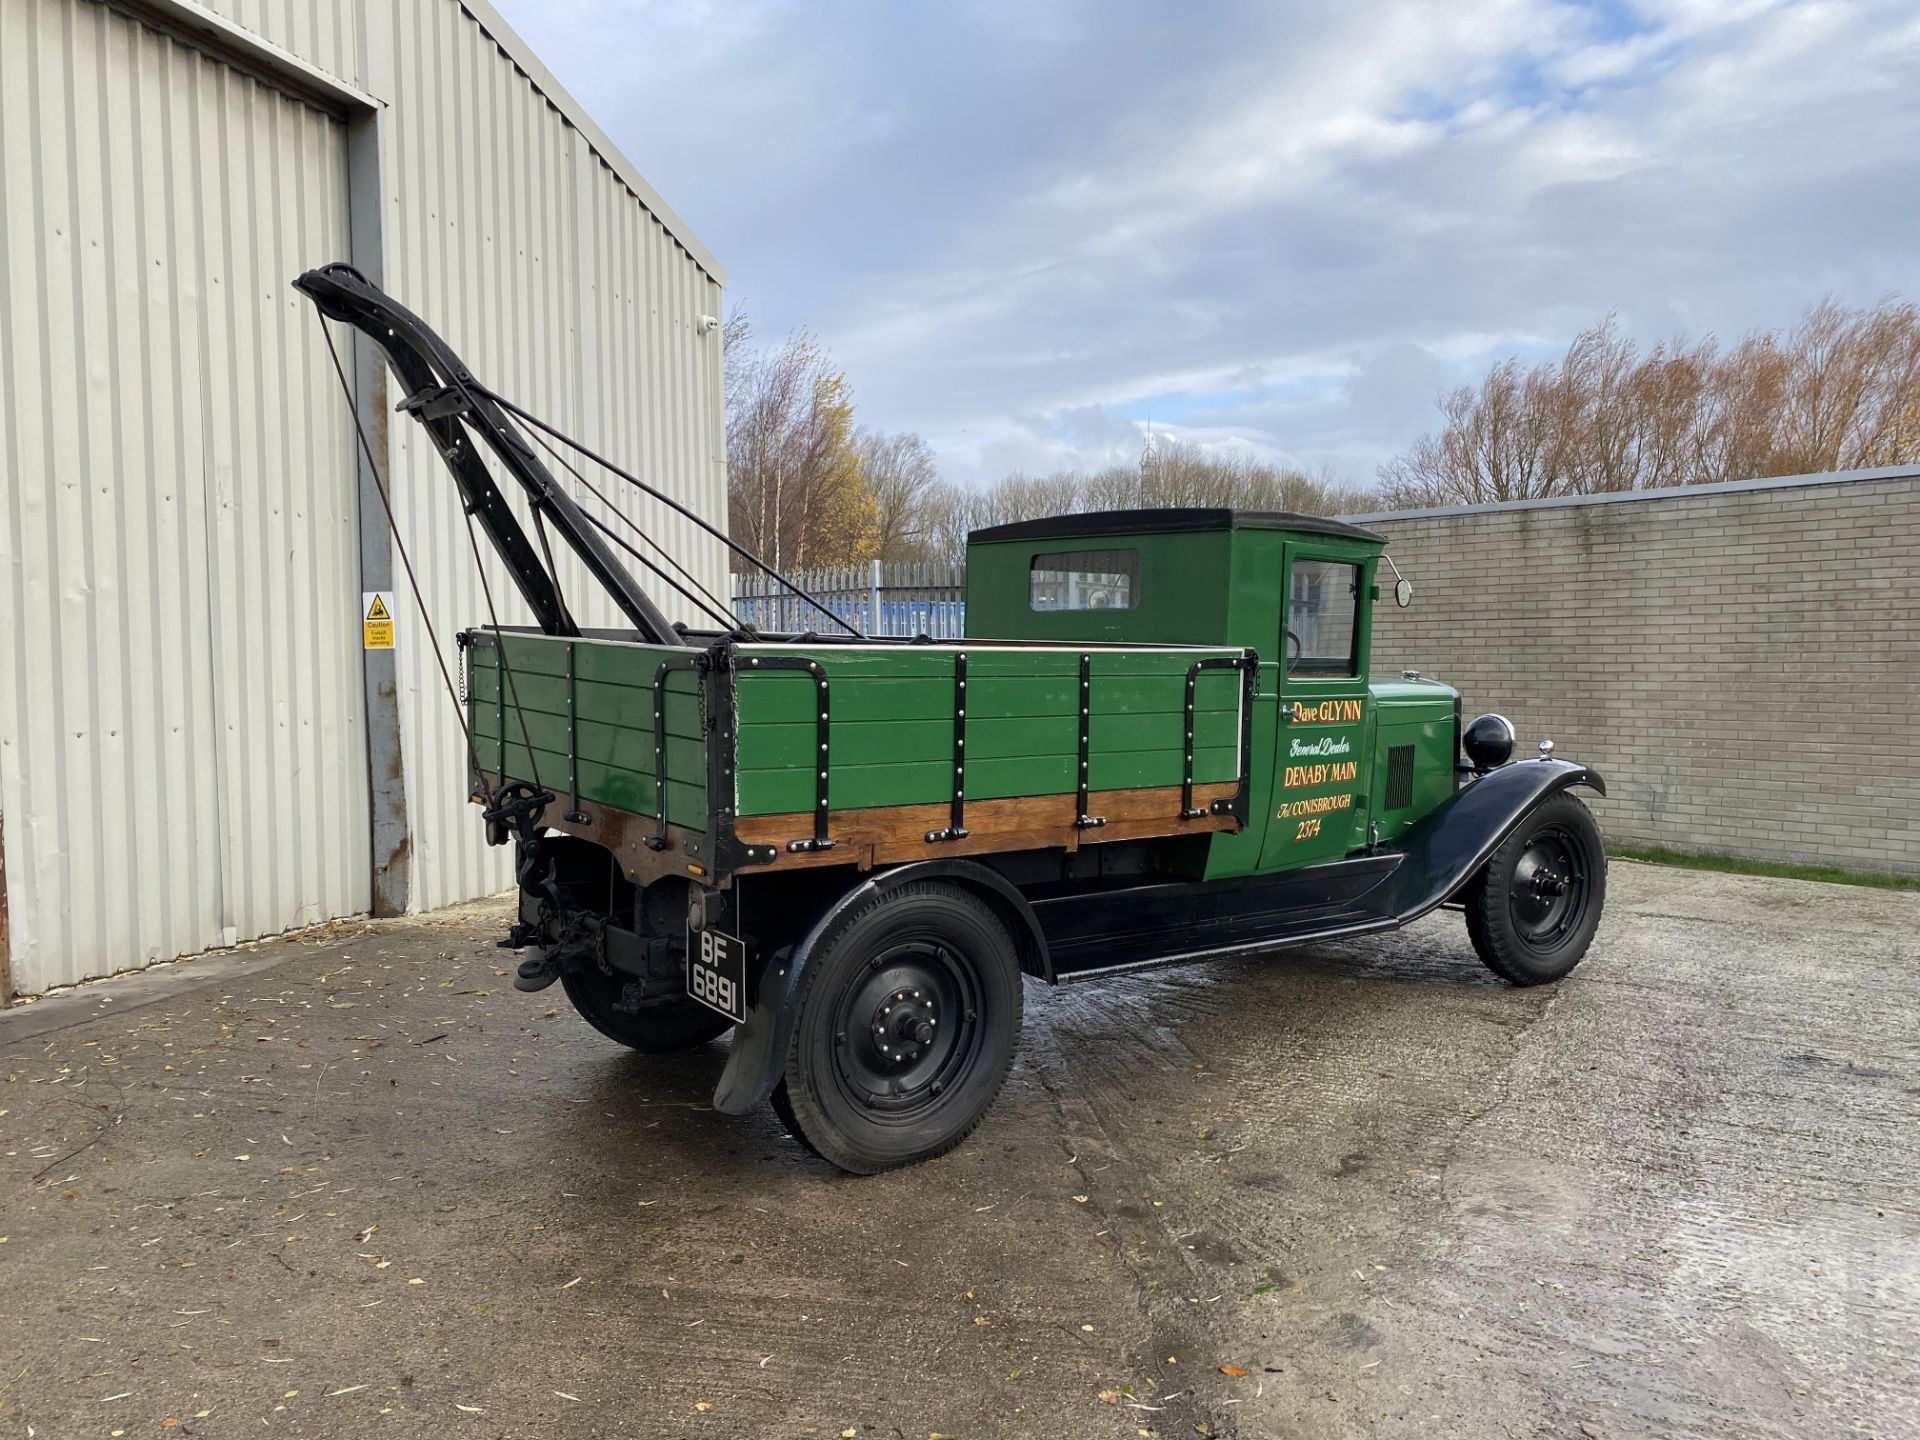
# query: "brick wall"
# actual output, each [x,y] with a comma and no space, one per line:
[1740,662]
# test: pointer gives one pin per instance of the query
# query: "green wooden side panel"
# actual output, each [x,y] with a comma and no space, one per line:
[612,692]
[891,733]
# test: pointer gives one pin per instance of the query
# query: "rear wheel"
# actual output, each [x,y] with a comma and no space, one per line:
[655,1029]
[1532,910]
[907,1021]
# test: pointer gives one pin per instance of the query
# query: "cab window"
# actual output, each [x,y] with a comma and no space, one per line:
[1084,580]
[1323,619]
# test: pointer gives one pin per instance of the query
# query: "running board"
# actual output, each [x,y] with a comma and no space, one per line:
[1146,926]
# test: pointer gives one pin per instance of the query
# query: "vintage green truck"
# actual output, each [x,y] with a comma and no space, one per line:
[1164,745]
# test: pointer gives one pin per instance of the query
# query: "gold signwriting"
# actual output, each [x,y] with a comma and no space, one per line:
[1314,805]
[1325,712]
[1319,774]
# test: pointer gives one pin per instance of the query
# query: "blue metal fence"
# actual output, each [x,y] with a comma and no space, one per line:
[912,597]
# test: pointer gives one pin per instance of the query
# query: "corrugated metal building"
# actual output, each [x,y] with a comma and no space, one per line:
[194,750]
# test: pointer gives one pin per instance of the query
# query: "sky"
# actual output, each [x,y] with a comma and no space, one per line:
[1032,230]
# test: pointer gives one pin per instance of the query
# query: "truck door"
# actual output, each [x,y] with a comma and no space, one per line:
[1319,805]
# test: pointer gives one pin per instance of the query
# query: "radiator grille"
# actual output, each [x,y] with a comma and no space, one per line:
[1399,777]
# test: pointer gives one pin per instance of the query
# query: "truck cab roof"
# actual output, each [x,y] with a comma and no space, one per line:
[1141,522]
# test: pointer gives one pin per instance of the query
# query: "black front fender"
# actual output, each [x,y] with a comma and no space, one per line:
[1445,851]
[759,1050]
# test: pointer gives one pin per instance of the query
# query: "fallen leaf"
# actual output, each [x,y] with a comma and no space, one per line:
[172,1422]
[1081,1199]
[1088,1328]
[982,1320]
[416,1281]
[703,1405]
[1109,1397]
[571,1283]
[470,1409]
[849,1433]
[1236,1371]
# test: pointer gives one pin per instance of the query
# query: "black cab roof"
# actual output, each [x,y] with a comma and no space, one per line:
[1140,522]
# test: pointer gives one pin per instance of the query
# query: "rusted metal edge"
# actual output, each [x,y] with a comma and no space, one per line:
[6,929]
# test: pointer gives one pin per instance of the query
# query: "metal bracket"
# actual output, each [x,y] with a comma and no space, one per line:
[1082,818]
[435,402]
[1247,664]
[658,840]
[575,816]
[822,738]
[957,823]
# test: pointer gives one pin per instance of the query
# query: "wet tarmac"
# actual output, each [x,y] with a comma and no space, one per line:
[354,1184]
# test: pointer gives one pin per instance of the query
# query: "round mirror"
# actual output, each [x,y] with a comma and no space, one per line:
[1403,593]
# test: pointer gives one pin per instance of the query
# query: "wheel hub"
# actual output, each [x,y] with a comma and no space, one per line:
[1545,895]
[910,1027]
[905,1025]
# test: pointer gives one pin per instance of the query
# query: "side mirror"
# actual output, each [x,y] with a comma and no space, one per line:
[1402,587]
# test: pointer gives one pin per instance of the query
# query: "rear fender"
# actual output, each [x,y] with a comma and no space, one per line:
[759,1050]
[1445,851]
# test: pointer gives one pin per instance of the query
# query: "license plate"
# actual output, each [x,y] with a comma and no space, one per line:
[717,973]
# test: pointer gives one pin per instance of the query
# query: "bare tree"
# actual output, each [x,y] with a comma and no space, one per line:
[1169,476]
[1840,390]
[796,488]
[900,476]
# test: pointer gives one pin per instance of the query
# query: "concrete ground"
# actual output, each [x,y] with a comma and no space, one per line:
[357,1185]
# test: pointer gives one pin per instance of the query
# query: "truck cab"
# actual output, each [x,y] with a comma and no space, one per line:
[1351,761]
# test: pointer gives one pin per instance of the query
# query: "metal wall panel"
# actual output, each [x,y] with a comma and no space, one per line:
[542,269]
[179,688]
[514,228]
[182,741]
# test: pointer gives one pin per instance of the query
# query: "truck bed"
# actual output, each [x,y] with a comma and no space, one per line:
[780,755]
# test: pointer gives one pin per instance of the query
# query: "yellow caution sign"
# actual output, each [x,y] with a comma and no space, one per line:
[376,626]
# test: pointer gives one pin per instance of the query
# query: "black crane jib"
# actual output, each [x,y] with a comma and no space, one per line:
[443,395]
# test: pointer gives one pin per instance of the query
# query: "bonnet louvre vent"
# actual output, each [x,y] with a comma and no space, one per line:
[1399,777]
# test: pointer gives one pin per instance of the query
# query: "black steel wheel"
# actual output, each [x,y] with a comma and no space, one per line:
[677,1024]
[1533,909]
[908,1016]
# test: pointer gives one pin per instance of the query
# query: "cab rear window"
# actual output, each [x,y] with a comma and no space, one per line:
[1084,580]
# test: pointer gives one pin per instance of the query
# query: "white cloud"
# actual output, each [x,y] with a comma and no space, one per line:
[1287,226]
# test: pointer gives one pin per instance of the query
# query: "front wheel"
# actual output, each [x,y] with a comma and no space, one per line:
[908,1017]
[1532,910]
[656,1029]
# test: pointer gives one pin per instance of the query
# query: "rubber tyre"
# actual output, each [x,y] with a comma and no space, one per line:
[783,1108]
[654,1030]
[1518,935]
[831,1094]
